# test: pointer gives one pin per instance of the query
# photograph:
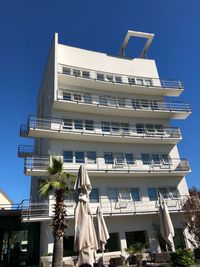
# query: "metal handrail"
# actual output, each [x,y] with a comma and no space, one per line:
[25,150]
[97,127]
[121,78]
[138,166]
[108,206]
[125,103]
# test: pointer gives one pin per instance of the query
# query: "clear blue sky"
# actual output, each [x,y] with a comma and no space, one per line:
[26,30]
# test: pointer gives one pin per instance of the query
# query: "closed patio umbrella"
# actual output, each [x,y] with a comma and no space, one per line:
[85,241]
[102,233]
[166,226]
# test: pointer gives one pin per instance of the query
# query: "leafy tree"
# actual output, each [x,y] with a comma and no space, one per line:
[60,184]
[192,216]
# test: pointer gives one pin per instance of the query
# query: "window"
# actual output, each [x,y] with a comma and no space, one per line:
[144,103]
[136,104]
[165,159]
[146,159]
[139,81]
[112,101]
[79,156]
[154,104]
[105,126]
[129,158]
[113,243]
[179,239]
[77,97]
[131,81]
[121,102]
[91,157]
[152,194]
[76,72]
[67,124]
[124,194]
[119,158]
[85,74]
[136,237]
[66,71]
[103,100]
[67,96]
[89,125]
[100,76]
[118,79]
[135,194]
[155,158]
[112,194]
[115,126]
[109,78]
[108,157]
[78,124]
[94,195]
[68,156]
[159,129]
[164,192]
[125,128]
[87,98]
[150,128]
[148,82]
[140,128]
[173,192]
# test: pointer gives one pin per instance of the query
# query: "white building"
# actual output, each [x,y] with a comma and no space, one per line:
[111,113]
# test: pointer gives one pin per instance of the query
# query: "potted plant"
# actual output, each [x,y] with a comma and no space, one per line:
[46,259]
[135,252]
[183,257]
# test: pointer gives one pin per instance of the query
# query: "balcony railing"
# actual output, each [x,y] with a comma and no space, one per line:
[116,78]
[25,151]
[109,207]
[123,103]
[24,130]
[76,126]
[38,164]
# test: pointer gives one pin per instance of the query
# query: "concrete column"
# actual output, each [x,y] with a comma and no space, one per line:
[46,238]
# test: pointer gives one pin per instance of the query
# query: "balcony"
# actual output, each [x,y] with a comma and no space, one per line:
[104,104]
[96,131]
[116,82]
[43,211]
[25,151]
[37,166]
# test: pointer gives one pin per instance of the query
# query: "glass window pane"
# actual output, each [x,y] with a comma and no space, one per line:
[76,72]
[129,158]
[159,128]
[173,192]
[136,104]
[124,194]
[155,158]
[108,157]
[109,78]
[144,103]
[79,156]
[115,126]
[119,158]
[136,237]
[148,82]
[139,81]
[112,101]
[66,71]
[77,97]
[67,124]
[100,76]
[105,126]
[91,157]
[66,96]
[118,79]
[78,124]
[85,74]
[113,243]
[94,195]
[131,81]
[103,100]
[165,159]
[146,159]
[135,194]
[68,156]
[163,191]
[112,194]
[140,128]
[87,98]
[150,128]
[121,102]
[89,125]
[152,194]
[125,128]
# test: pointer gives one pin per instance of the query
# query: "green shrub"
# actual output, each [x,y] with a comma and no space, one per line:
[183,257]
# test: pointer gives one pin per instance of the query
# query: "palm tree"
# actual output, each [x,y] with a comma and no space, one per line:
[60,184]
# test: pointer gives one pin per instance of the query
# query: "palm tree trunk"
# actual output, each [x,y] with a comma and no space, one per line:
[59,225]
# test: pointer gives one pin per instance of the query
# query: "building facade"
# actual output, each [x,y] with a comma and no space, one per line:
[112,114]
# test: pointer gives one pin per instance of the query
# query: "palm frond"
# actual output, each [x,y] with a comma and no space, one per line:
[57,166]
[45,188]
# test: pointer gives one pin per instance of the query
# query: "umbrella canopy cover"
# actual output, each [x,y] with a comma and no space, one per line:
[85,241]
[166,226]
[103,234]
